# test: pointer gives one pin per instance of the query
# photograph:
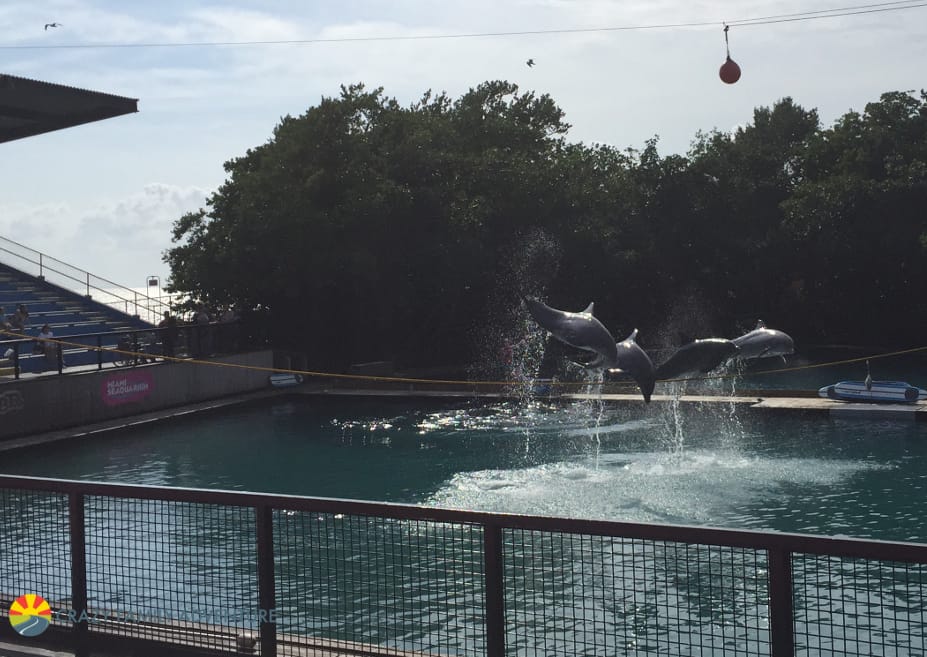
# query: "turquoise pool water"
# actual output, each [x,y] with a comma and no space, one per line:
[705,465]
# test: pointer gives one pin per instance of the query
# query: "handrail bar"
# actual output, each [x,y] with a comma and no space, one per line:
[738,538]
[62,338]
[117,286]
[150,304]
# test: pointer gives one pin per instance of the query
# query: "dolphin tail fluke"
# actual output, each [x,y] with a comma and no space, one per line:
[647,390]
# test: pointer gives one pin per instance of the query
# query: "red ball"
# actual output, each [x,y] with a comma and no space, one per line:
[730,71]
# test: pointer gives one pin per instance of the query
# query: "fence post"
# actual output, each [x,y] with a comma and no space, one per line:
[781,613]
[495,591]
[76,528]
[135,348]
[266,586]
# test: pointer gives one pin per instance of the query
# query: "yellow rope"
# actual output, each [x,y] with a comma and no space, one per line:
[399,379]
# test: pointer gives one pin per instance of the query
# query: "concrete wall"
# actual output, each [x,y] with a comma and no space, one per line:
[46,403]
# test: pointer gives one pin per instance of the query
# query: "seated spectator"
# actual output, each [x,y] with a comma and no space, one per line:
[19,318]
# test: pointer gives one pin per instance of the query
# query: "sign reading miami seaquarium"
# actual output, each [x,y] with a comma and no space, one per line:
[126,387]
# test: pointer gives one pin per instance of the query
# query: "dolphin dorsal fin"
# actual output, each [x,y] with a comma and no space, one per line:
[632,337]
[588,310]
[760,324]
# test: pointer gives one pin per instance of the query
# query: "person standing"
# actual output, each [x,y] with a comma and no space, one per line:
[49,348]
[168,334]
[201,321]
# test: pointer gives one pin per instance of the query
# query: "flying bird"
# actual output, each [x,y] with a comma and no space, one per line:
[48,25]
[530,63]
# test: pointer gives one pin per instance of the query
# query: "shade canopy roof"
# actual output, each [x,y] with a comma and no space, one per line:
[31,107]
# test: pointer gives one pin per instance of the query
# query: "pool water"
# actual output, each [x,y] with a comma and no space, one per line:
[709,464]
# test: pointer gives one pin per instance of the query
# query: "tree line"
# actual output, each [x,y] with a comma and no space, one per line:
[366,230]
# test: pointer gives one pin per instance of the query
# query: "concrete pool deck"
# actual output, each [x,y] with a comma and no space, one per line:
[767,400]
[770,401]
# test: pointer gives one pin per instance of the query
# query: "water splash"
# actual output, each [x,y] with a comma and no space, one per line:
[723,417]
[674,435]
[508,345]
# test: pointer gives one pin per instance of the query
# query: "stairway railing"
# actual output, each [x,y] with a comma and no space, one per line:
[74,279]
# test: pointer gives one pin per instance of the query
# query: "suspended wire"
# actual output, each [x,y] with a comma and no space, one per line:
[819,13]
[784,19]
[836,12]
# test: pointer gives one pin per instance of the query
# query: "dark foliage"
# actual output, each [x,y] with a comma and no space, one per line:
[363,230]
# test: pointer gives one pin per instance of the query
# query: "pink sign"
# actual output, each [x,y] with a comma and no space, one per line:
[126,387]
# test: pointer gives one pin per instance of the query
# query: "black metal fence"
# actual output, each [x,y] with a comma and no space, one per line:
[126,348]
[167,569]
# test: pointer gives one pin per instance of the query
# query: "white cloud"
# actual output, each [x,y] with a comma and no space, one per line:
[117,239]
[200,106]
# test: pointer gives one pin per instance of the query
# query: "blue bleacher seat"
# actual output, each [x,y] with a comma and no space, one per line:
[70,315]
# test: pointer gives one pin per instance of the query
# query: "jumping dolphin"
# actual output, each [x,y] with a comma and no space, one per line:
[698,356]
[580,330]
[634,361]
[763,342]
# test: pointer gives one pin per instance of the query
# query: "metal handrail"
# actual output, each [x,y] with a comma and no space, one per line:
[83,282]
[779,546]
[101,346]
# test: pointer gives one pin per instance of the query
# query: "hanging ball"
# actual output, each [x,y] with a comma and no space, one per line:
[730,71]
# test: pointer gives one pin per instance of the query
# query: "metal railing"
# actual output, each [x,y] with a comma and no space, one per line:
[81,282]
[124,347]
[157,569]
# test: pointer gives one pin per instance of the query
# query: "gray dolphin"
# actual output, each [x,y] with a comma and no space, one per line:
[634,361]
[698,356]
[580,330]
[763,342]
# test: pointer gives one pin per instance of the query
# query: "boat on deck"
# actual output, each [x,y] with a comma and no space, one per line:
[876,392]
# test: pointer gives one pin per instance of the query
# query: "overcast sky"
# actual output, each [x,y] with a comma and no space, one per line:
[103,196]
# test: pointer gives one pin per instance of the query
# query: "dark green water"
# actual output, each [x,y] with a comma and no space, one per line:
[705,466]
[417,586]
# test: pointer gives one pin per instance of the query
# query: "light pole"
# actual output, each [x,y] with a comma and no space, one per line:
[154,282]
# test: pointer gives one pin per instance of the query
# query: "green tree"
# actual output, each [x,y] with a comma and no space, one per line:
[858,220]
[364,230]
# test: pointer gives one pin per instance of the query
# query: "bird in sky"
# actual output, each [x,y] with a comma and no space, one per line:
[48,25]
[530,63]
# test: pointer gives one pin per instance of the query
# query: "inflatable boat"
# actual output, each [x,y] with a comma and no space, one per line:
[877,392]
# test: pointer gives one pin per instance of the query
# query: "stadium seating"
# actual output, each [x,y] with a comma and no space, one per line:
[73,318]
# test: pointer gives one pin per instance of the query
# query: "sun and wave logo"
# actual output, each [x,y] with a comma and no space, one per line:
[30,614]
